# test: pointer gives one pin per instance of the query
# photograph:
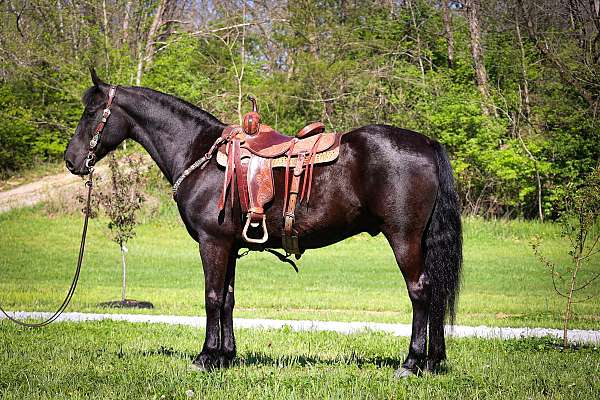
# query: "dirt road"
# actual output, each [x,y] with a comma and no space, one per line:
[32,193]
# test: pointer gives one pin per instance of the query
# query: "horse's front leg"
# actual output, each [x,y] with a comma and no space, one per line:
[215,254]
[227,337]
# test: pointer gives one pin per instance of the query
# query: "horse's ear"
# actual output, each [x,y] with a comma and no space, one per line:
[97,81]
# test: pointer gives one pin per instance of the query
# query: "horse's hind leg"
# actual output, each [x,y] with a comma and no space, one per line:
[437,343]
[410,260]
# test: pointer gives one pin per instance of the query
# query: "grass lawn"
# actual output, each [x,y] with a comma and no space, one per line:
[503,285]
[356,280]
[110,360]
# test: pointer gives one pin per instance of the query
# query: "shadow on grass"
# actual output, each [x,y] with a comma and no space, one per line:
[169,352]
[302,360]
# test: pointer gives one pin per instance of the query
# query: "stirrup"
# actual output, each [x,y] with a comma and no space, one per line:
[264,228]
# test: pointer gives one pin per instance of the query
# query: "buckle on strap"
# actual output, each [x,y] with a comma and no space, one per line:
[263,224]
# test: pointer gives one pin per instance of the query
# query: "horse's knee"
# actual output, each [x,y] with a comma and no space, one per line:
[214,301]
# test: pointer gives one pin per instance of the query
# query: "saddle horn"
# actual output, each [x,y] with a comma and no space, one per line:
[251,123]
[254,104]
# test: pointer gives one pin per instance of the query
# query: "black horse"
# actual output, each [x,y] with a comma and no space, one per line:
[387,180]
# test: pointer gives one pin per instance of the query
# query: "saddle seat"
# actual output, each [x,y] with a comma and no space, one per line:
[269,143]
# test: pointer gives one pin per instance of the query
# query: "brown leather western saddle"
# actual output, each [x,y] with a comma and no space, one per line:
[249,154]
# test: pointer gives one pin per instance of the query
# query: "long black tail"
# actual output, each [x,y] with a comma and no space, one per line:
[443,243]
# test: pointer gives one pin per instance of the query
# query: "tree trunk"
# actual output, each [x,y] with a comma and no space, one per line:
[523,70]
[75,39]
[105,26]
[240,75]
[418,39]
[61,22]
[125,29]
[124,269]
[449,34]
[472,9]
[140,67]
[156,23]
[146,55]
[569,306]
[525,99]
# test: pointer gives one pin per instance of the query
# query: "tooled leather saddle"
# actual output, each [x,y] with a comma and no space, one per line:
[249,154]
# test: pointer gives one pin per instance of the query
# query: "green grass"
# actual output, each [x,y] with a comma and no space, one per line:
[111,360]
[356,280]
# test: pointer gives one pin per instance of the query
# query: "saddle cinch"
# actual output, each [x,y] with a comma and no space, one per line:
[250,153]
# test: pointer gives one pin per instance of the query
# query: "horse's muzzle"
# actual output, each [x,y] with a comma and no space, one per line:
[72,167]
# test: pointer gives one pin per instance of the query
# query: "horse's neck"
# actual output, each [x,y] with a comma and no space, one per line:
[171,135]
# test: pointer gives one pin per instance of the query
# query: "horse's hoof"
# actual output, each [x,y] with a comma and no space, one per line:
[403,373]
[198,368]
[435,367]
[206,362]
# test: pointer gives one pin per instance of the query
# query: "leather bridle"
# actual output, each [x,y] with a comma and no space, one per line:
[90,160]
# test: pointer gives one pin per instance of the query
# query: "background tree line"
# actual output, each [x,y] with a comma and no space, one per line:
[510,87]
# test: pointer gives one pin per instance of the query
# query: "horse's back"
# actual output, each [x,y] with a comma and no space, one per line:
[385,177]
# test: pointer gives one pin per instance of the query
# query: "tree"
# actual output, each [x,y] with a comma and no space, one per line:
[447,18]
[472,8]
[567,35]
[347,63]
[581,225]
[121,201]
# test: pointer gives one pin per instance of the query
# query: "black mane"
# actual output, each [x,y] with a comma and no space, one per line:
[171,101]
[176,103]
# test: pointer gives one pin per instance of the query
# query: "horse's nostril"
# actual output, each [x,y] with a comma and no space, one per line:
[70,165]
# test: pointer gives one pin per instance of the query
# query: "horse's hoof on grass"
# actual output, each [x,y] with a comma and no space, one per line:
[198,368]
[403,373]
[206,362]
[435,368]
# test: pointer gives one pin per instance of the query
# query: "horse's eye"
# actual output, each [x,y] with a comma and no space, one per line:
[90,113]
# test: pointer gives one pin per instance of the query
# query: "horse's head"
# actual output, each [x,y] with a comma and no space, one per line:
[113,133]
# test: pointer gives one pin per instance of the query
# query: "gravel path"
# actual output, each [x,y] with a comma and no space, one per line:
[32,193]
[48,186]
[575,335]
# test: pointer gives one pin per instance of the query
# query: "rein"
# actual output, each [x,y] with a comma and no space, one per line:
[89,163]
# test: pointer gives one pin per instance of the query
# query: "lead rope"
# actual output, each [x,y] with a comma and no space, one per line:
[90,160]
[71,291]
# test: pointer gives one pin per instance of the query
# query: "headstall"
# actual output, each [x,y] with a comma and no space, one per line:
[90,160]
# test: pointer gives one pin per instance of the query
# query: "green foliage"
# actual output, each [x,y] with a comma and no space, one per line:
[177,71]
[347,64]
[123,198]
